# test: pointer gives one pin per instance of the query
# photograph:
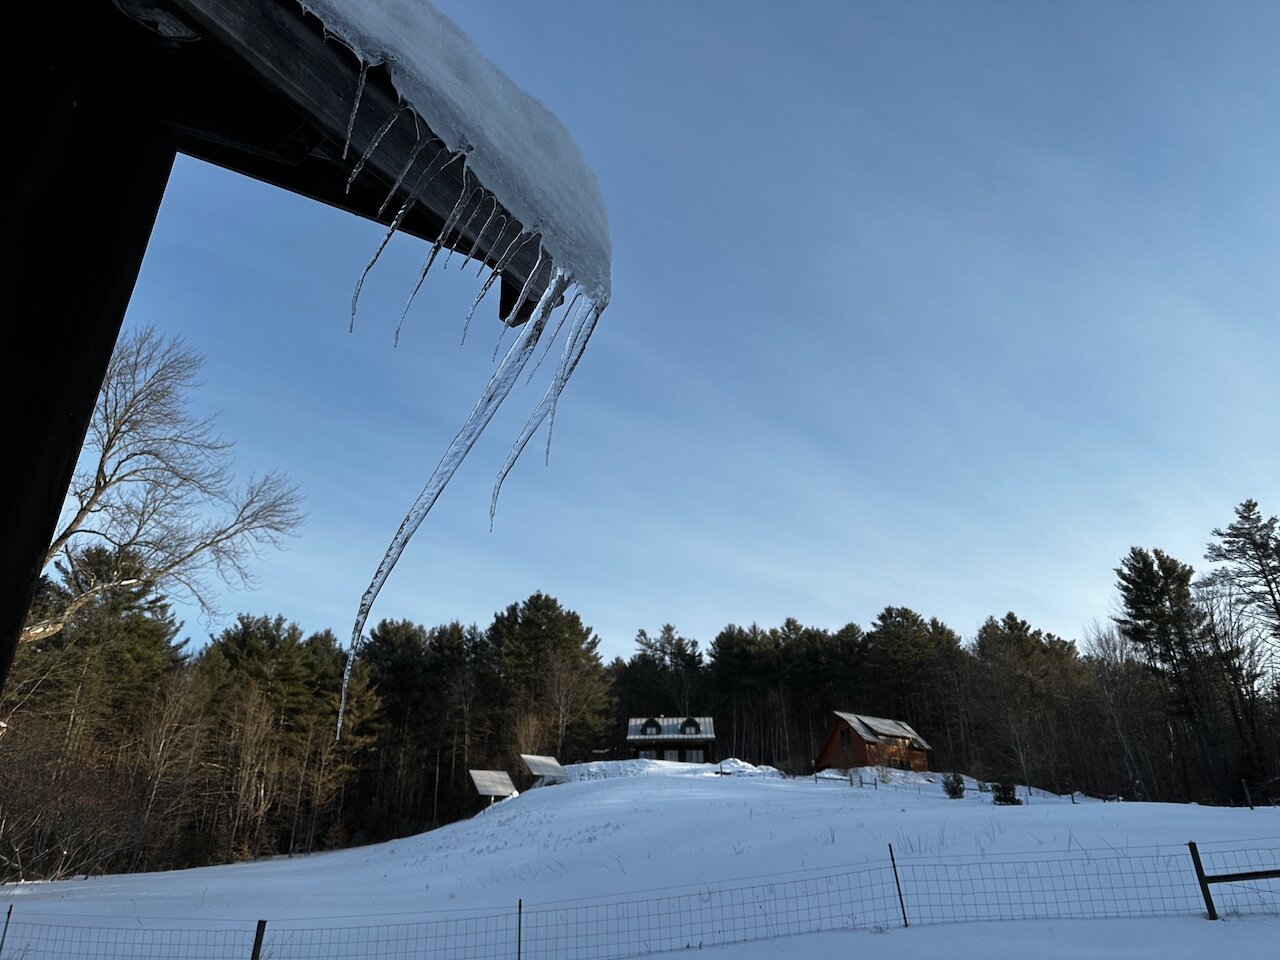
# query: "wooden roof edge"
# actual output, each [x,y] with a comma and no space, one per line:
[287,52]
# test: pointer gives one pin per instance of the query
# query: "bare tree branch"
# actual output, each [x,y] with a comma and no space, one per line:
[155,485]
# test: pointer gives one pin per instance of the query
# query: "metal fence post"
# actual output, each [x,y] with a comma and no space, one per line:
[1204,884]
[4,935]
[257,940]
[519,928]
[902,904]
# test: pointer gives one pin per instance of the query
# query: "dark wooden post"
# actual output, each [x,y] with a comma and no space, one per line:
[80,192]
[4,935]
[519,928]
[257,940]
[1204,884]
[1248,797]
[902,904]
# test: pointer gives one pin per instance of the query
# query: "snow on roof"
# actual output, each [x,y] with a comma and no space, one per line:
[515,146]
[876,729]
[671,728]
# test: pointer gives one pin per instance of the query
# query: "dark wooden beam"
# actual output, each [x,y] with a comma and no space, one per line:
[79,197]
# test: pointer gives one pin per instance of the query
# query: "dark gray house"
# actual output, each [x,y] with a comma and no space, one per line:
[684,739]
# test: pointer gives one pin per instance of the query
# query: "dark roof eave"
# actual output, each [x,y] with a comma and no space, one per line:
[286,92]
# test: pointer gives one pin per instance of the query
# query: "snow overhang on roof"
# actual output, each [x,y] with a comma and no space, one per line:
[515,146]
[304,95]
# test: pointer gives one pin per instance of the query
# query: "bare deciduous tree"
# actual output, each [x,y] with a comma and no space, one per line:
[155,486]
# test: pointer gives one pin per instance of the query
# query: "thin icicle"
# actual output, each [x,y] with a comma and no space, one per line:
[462,233]
[418,146]
[492,213]
[449,224]
[506,222]
[491,398]
[466,323]
[355,107]
[373,145]
[410,200]
[515,307]
[497,272]
[575,346]
[555,334]
[580,338]
[503,330]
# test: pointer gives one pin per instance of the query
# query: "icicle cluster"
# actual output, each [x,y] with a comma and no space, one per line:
[536,190]
[575,312]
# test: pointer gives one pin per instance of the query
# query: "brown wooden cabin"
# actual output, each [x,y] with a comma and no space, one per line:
[683,739]
[856,740]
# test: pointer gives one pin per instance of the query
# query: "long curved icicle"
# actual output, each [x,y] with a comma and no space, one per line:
[495,391]
[575,345]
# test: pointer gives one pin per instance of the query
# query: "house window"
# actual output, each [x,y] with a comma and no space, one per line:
[671,755]
[651,728]
[648,754]
[693,756]
[845,739]
[690,727]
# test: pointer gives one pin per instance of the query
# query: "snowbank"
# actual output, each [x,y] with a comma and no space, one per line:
[628,841]
[608,769]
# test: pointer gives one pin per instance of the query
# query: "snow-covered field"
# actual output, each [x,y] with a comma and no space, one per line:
[633,856]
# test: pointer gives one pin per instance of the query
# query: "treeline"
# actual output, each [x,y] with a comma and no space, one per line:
[124,751]
[121,751]
[1176,698]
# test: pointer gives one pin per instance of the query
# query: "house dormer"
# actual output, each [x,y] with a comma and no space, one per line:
[690,727]
[651,728]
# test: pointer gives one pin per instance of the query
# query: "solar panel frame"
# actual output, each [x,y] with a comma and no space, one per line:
[493,783]
[548,767]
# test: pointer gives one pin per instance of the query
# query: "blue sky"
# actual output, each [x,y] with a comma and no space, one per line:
[934,305]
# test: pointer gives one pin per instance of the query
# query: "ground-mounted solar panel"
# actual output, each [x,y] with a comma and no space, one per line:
[547,767]
[492,783]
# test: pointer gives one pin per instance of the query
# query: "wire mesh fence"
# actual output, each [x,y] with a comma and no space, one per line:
[46,941]
[1153,883]
[1075,888]
[712,916]
[475,938]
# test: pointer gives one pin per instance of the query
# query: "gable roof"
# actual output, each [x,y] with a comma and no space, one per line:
[879,730]
[669,728]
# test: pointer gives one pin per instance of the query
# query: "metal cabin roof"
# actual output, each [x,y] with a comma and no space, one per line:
[877,729]
[670,728]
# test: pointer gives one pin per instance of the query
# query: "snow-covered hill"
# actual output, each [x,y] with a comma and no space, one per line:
[702,838]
